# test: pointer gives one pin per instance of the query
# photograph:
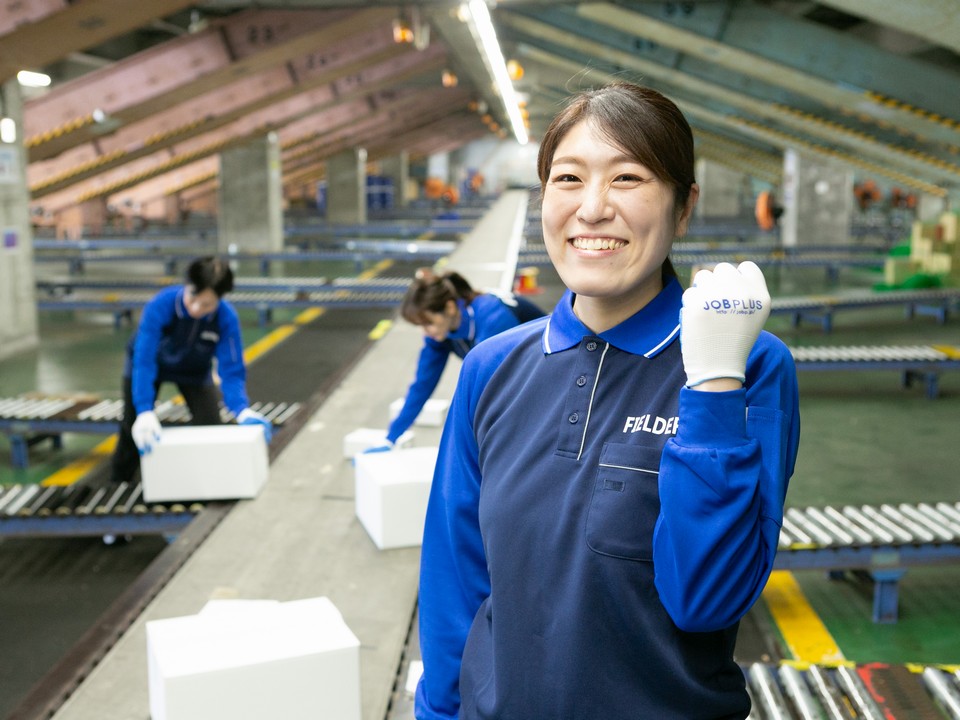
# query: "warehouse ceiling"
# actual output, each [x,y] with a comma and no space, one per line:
[145,95]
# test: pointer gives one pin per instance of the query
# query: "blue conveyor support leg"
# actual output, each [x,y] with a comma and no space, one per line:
[885,594]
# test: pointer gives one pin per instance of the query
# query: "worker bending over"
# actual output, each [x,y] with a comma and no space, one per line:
[182,329]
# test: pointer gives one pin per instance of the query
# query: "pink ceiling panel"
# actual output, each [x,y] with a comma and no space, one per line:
[184,67]
[14,14]
[128,82]
[257,31]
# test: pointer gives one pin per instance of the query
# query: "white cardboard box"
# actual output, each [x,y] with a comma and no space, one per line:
[433,414]
[392,489]
[365,438]
[250,660]
[206,462]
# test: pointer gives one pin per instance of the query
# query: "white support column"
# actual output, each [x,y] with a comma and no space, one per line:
[397,168]
[721,191]
[347,186]
[18,305]
[251,197]
[817,201]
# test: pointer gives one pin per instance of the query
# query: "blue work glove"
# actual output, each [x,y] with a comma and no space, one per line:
[386,447]
[146,431]
[252,417]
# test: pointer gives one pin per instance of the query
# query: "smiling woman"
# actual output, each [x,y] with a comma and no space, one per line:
[610,484]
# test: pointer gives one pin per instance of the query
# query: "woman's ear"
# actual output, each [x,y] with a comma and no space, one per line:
[451,308]
[683,221]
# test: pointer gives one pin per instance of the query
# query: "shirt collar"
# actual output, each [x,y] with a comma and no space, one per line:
[647,332]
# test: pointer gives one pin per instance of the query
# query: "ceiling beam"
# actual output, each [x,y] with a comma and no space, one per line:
[937,21]
[25,37]
[751,64]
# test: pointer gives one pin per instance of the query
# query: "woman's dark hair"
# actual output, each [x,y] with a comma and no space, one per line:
[430,292]
[641,121]
[210,273]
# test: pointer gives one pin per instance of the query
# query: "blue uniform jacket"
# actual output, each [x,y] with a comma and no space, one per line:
[595,529]
[484,317]
[170,346]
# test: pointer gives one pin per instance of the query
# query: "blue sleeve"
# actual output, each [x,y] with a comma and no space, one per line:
[493,317]
[433,358]
[723,481]
[143,374]
[453,569]
[230,365]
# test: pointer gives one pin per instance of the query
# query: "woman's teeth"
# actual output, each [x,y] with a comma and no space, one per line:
[597,243]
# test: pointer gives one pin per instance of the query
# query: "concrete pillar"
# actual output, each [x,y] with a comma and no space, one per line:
[397,168]
[438,166]
[18,305]
[722,191]
[817,201]
[251,197]
[347,186]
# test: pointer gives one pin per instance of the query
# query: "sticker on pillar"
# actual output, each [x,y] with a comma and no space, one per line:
[9,167]
[9,239]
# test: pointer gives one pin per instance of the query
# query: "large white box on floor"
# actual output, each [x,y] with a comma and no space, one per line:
[433,414]
[206,462]
[251,660]
[365,438]
[392,489]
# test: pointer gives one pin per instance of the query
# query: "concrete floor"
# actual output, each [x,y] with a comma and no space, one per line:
[865,439]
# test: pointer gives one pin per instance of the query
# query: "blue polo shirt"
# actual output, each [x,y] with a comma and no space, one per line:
[171,346]
[595,529]
[484,317]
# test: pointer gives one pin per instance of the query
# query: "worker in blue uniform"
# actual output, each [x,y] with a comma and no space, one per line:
[610,482]
[454,317]
[181,331]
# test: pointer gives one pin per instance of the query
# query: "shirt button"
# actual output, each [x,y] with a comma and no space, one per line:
[573,418]
[581,381]
[591,346]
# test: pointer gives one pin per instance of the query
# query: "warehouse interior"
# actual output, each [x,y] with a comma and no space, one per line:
[330,148]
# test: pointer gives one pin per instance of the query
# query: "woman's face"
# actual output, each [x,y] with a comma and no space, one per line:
[201,303]
[608,225]
[440,324]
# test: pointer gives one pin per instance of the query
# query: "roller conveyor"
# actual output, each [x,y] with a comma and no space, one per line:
[832,262]
[924,362]
[83,510]
[29,419]
[877,541]
[875,691]
[345,296]
[427,251]
[820,308]
[66,285]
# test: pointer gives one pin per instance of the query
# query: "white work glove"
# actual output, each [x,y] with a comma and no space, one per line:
[723,313]
[252,417]
[146,431]
[505,296]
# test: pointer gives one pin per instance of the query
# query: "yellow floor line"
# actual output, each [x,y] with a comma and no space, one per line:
[805,634]
[268,342]
[76,469]
[380,329]
[70,473]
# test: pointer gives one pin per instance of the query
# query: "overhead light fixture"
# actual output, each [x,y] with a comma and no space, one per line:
[402,32]
[482,26]
[449,79]
[29,78]
[8,130]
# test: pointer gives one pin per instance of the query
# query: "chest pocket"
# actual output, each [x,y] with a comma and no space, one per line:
[625,502]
